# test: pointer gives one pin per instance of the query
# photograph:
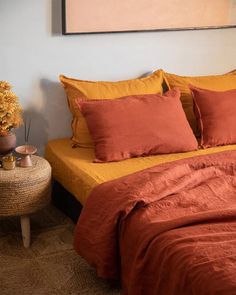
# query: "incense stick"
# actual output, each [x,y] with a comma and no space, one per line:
[28,132]
[27,129]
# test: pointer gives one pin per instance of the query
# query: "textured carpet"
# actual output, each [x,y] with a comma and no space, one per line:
[50,265]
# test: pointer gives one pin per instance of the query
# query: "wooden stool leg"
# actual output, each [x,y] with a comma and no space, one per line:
[25,229]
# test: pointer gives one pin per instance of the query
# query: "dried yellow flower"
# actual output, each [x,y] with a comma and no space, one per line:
[10,110]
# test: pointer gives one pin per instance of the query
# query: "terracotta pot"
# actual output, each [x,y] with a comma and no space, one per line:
[7,143]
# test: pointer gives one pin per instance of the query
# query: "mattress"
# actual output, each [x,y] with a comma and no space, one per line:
[74,169]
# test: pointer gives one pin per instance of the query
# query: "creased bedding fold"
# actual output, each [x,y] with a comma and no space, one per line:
[169,229]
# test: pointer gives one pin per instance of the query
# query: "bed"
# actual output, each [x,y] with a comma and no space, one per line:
[195,253]
[156,175]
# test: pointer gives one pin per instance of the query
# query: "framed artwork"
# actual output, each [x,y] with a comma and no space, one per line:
[99,16]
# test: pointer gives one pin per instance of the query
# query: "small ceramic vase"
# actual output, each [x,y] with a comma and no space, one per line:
[7,143]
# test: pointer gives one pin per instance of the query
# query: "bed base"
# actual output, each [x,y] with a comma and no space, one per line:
[65,201]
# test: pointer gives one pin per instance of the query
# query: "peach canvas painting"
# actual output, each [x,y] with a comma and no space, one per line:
[86,16]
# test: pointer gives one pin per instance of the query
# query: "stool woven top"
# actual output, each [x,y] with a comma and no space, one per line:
[25,190]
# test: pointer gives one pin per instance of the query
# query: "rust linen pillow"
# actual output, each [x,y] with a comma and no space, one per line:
[138,125]
[216,113]
[103,90]
[213,82]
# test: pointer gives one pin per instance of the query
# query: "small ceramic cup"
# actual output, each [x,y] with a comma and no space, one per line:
[9,162]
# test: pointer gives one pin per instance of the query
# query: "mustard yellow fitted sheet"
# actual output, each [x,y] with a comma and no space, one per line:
[75,170]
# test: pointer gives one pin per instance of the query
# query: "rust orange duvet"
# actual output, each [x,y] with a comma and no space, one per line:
[169,229]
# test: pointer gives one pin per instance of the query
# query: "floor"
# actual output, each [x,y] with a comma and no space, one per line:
[50,265]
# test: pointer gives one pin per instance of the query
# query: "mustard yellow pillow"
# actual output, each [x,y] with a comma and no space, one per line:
[103,90]
[215,82]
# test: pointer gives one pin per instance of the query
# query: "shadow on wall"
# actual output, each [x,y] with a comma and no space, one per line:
[56,110]
[38,135]
[52,121]
[56,17]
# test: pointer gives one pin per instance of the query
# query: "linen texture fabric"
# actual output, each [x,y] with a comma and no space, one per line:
[212,82]
[87,90]
[216,115]
[139,125]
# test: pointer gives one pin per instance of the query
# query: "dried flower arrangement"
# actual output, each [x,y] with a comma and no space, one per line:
[10,110]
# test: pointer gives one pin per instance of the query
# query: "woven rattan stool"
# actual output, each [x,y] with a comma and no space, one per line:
[24,191]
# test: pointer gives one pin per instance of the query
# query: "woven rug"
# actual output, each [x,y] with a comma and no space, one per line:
[50,265]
